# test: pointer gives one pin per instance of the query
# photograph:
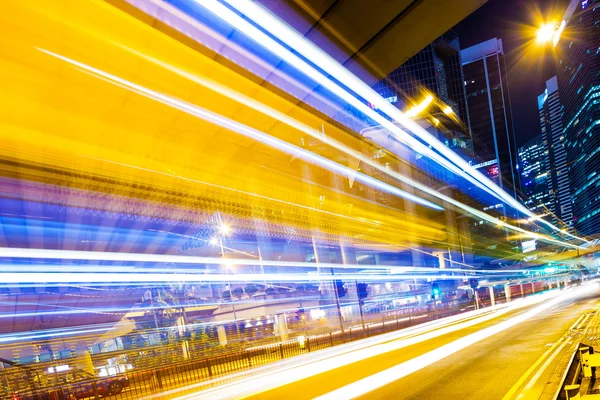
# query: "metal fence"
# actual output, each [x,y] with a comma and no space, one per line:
[155,374]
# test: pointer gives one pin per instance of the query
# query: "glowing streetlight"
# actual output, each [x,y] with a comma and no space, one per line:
[224,230]
[414,111]
[550,33]
[546,33]
[448,110]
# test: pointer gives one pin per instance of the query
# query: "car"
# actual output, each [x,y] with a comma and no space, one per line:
[82,384]
[78,384]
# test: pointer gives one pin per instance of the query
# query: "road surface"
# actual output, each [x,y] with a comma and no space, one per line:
[503,355]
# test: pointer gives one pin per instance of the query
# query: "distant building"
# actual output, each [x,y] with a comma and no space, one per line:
[550,110]
[578,72]
[536,182]
[488,102]
[436,70]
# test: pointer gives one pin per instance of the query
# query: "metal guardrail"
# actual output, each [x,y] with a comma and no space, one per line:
[153,381]
[156,380]
[572,381]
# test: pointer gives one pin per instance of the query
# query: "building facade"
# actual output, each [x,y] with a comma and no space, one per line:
[578,72]
[536,182]
[435,70]
[550,110]
[488,103]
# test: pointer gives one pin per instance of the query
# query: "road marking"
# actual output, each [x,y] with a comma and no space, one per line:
[373,382]
[527,373]
[587,316]
[537,376]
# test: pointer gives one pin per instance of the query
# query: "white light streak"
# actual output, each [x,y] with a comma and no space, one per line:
[252,386]
[373,382]
[324,61]
[133,278]
[232,94]
[51,254]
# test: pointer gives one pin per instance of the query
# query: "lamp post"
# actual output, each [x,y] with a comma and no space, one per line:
[223,231]
[550,32]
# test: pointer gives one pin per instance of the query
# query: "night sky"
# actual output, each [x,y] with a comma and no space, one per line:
[529,66]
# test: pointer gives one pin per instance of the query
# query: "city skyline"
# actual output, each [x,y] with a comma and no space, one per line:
[299,199]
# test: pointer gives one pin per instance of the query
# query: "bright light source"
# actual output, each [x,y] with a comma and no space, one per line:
[323,60]
[59,368]
[546,33]
[416,110]
[448,110]
[436,121]
[213,241]
[317,313]
[224,230]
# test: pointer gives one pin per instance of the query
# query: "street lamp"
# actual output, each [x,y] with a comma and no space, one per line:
[224,230]
[546,33]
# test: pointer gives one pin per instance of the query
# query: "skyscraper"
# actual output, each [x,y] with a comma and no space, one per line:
[550,111]
[435,70]
[578,72]
[488,102]
[536,183]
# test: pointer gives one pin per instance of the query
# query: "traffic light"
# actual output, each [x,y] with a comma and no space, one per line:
[473,283]
[362,289]
[341,290]
[435,290]
[300,315]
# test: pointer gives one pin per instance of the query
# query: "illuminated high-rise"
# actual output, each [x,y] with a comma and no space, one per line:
[550,110]
[488,102]
[578,72]
[435,70]
[536,183]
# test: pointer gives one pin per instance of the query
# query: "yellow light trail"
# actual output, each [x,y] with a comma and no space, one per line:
[129,139]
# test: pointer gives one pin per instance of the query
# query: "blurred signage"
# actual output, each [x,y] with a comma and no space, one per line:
[484,164]
[528,245]
[493,171]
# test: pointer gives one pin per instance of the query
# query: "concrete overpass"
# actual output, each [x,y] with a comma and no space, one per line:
[372,38]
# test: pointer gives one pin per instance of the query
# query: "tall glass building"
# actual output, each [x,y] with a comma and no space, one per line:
[488,102]
[435,70]
[536,183]
[550,110]
[578,72]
